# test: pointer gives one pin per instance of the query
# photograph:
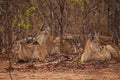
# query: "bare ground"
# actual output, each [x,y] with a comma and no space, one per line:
[63,71]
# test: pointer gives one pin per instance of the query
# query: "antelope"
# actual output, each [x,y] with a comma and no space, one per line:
[27,52]
[46,40]
[95,51]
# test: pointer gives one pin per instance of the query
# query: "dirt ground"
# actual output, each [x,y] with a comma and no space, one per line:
[63,71]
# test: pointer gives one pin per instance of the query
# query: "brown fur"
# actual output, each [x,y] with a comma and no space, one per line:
[39,53]
[67,47]
[28,52]
[112,50]
[102,55]
[95,51]
[90,48]
[45,39]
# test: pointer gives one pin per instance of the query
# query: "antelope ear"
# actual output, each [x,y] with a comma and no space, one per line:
[97,34]
[42,27]
[90,36]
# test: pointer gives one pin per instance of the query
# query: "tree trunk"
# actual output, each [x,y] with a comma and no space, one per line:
[113,20]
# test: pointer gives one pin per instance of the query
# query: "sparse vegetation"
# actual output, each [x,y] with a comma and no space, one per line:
[62,29]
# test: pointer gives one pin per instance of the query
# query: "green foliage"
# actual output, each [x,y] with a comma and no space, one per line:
[78,1]
[102,5]
[23,18]
[30,9]
[14,23]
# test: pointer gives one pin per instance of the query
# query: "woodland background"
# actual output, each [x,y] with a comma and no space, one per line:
[78,17]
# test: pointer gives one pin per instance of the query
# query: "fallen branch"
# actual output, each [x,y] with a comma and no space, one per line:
[44,64]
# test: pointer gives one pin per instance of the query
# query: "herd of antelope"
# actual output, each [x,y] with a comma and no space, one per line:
[44,45]
[38,48]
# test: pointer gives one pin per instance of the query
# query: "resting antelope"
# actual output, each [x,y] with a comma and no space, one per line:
[27,52]
[45,39]
[95,51]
